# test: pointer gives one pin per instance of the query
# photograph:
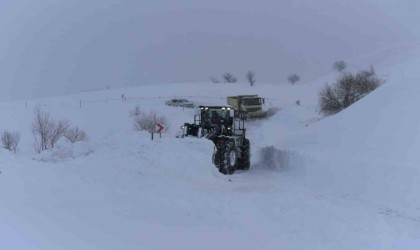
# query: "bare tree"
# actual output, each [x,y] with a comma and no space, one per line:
[42,127]
[329,101]
[147,122]
[293,78]
[59,130]
[10,140]
[339,66]
[75,134]
[214,79]
[229,78]
[348,89]
[368,81]
[46,131]
[250,76]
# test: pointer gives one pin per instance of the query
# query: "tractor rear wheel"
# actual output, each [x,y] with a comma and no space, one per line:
[228,157]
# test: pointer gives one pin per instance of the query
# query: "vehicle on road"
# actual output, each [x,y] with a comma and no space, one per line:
[180,103]
[248,106]
[218,124]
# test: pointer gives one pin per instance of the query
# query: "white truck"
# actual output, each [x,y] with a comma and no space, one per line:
[248,106]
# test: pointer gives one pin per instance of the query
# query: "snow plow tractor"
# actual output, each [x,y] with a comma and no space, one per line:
[217,123]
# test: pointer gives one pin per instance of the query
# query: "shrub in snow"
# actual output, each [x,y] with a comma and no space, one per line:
[147,121]
[58,131]
[348,89]
[10,140]
[75,134]
[214,79]
[229,78]
[46,131]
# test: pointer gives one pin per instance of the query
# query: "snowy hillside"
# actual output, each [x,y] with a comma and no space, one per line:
[345,182]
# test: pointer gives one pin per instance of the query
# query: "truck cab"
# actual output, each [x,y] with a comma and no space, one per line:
[248,106]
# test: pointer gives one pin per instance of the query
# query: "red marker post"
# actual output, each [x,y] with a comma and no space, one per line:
[159,129]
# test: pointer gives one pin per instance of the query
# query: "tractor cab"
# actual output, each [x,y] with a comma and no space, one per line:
[216,118]
[211,120]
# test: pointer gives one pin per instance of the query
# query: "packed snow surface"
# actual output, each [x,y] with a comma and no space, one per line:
[350,181]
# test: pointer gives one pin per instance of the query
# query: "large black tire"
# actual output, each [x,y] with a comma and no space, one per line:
[216,155]
[244,161]
[228,156]
[216,159]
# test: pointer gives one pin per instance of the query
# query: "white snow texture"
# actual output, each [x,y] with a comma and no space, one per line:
[349,181]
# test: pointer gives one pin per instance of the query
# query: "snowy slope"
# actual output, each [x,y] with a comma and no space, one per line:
[345,182]
[367,153]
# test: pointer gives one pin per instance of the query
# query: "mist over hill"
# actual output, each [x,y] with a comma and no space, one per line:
[56,47]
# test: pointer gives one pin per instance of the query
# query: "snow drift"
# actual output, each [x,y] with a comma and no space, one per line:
[349,181]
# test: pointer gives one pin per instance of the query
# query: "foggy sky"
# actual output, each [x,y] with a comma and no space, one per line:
[52,47]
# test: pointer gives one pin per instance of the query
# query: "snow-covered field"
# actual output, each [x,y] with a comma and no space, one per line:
[350,181]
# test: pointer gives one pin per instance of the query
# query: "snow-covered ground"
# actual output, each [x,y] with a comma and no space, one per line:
[349,181]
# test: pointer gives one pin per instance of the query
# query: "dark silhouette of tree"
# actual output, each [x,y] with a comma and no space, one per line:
[293,78]
[339,66]
[250,76]
[347,89]
[229,78]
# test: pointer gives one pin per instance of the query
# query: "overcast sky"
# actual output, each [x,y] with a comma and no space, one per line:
[51,47]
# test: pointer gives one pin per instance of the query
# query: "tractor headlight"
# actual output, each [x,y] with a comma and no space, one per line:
[229,128]
[228,108]
[223,108]
[182,127]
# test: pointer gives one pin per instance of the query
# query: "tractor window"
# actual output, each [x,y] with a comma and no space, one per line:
[215,116]
[221,114]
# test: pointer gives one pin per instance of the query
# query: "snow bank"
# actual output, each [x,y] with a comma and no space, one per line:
[349,181]
[367,153]
[65,150]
